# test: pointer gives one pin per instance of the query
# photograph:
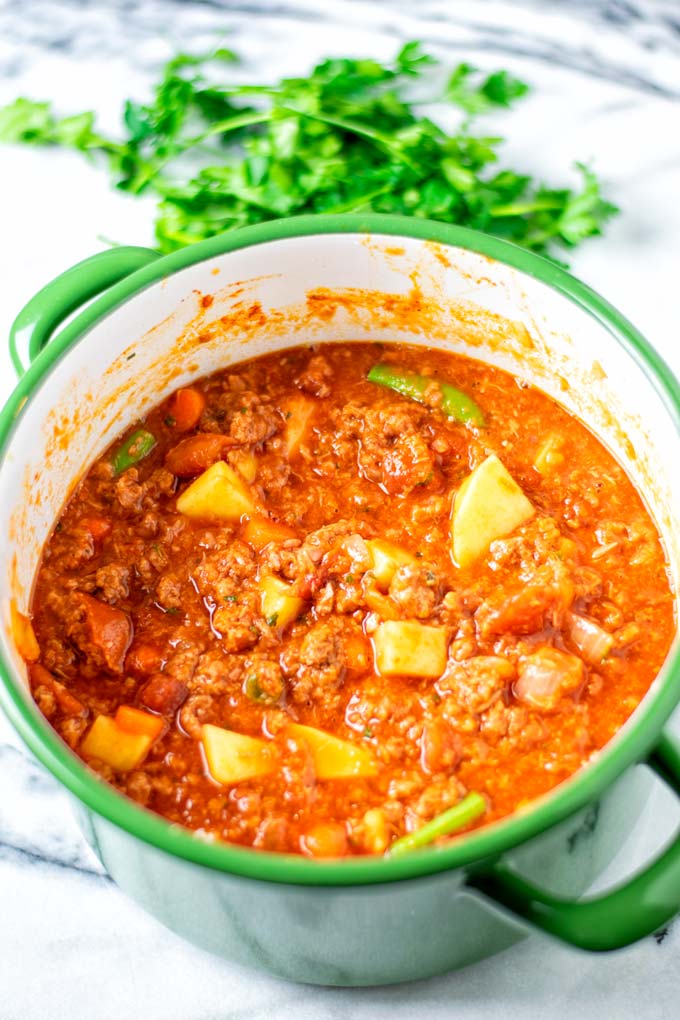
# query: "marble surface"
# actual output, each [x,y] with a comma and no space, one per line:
[607,88]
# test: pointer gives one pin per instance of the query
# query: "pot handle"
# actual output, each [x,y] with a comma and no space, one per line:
[633,910]
[36,322]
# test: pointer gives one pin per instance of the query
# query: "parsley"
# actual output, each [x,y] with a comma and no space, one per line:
[231,598]
[347,137]
[272,620]
[169,421]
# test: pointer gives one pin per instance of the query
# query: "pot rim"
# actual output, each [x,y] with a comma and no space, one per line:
[630,745]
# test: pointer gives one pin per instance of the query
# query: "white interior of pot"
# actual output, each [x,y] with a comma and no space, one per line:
[443,297]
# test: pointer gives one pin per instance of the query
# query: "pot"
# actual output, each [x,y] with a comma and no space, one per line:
[158,323]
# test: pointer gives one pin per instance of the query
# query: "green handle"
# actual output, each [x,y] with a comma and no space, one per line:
[45,312]
[633,910]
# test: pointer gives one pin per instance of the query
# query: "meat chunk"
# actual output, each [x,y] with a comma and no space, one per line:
[101,632]
[548,675]
[240,416]
[163,694]
[416,590]
[235,623]
[113,580]
[263,678]
[128,490]
[478,682]
[315,377]
[318,666]
[169,591]
[394,450]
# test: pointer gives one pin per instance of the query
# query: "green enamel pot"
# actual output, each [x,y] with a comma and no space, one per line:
[148,324]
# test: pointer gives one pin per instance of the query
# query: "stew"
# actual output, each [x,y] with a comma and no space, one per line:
[348,600]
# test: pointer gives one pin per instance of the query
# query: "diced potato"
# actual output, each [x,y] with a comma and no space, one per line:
[23,634]
[298,412]
[407,648]
[218,494]
[259,531]
[488,505]
[245,463]
[134,720]
[387,558]
[278,604]
[233,757]
[334,758]
[376,831]
[119,748]
[550,455]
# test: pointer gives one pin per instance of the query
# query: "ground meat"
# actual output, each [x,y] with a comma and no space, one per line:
[128,491]
[217,674]
[478,682]
[512,723]
[235,623]
[263,678]
[416,590]
[169,591]
[315,377]
[242,415]
[163,694]
[317,667]
[182,663]
[71,548]
[223,572]
[548,675]
[113,580]
[394,449]
[199,709]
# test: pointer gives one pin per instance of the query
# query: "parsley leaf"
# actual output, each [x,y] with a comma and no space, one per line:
[347,137]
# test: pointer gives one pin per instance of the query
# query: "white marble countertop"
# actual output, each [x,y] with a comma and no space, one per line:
[607,89]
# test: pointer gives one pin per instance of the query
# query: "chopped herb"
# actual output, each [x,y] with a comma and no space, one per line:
[231,598]
[169,421]
[272,620]
[368,732]
[349,578]
[344,138]
[156,548]
[172,610]
[129,357]
[419,556]
[58,526]
[288,415]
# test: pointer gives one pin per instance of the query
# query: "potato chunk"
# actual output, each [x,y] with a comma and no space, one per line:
[218,494]
[278,604]
[488,505]
[334,758]
[387,558]
[233,757]
[298,412]
[407,648]
[119,748]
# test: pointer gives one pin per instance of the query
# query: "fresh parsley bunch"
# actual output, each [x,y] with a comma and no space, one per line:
[345,138]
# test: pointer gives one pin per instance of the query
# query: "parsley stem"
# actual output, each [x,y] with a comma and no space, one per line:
[354,127]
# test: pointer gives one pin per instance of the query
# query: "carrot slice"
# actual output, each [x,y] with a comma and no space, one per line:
[197,453]
[99,527]
[185,408]
[133,720]
[259,531]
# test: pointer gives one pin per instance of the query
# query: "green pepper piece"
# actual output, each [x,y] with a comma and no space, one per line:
[135,448]
[466,811]
[455,404]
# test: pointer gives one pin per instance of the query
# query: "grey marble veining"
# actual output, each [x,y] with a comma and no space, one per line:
[606,78]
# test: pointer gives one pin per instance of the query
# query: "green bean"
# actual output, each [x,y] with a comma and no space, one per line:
[466,811]
[135,448]
[454,403]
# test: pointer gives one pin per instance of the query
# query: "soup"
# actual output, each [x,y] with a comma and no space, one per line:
[348,600]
